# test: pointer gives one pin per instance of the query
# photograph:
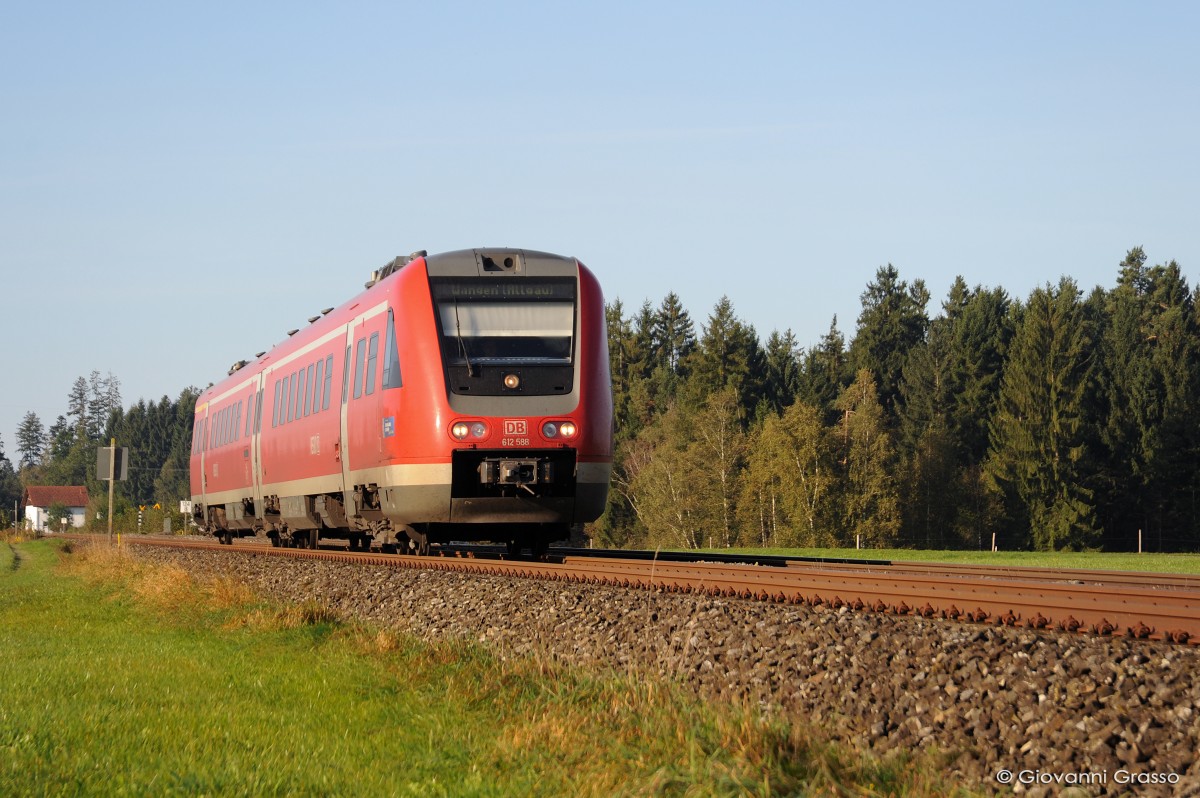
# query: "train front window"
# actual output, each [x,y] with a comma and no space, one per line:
[507,332]
[506,322]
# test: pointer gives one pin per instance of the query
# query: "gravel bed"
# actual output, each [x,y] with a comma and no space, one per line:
[1044,707]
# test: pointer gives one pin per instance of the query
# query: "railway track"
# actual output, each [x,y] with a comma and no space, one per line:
[1143,606]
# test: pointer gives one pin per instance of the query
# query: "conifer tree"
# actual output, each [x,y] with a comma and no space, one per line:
[948,391]
[826,373]
[728,356]
[1149,397]
[172,482]
[892,323]
[673,335]
[1038,457]
[31,441]
[10,488]
[782,372]
[77,407]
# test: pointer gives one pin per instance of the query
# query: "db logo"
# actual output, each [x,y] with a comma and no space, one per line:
[516,426]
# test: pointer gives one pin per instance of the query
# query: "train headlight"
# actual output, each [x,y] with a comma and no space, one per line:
[462,430]
[559,429]
[512,381]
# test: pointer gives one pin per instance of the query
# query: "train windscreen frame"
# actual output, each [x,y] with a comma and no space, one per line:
[494,329]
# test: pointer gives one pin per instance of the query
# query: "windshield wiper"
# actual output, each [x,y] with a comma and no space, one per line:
[462,345]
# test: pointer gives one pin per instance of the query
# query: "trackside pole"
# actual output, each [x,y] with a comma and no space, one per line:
[112,477]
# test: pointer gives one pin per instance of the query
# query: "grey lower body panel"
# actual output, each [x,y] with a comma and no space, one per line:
[416,504]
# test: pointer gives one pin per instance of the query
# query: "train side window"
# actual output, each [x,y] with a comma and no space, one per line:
[219,429]
[204,435]
[258,411]
[292,396]
[391,356]
[310,391]
[275,409]
[317,382]
[285,412]
[346,377]
[328,382]
[372,359]
[360,356]
[249,413]
[237,422]
[303,395]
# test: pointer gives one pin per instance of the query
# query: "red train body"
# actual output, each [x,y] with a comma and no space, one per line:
[462,396]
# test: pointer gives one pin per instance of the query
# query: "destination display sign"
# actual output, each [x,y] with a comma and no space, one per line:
[505,289]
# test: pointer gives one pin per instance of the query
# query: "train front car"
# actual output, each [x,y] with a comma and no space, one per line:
[516,443]
[462,396]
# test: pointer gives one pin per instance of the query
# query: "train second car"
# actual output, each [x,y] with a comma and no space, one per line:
[461,396]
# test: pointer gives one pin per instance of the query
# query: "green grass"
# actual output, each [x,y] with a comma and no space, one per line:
[1117,561]
[123,679]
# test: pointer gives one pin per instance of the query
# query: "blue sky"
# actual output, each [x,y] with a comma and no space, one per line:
[182,184]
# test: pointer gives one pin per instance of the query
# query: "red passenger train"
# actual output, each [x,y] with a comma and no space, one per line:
[462,396]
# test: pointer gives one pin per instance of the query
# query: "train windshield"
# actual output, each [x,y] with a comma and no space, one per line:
[509,322]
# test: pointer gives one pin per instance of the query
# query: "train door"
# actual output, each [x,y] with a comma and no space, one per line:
[202,420]
[256,445]
[343,447]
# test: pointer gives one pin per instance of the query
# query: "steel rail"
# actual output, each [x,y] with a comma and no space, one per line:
[1035,574]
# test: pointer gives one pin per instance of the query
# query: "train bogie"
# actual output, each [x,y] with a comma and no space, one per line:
[463,396]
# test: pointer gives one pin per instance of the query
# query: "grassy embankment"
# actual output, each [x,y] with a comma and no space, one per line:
[121,678]
[1100,561]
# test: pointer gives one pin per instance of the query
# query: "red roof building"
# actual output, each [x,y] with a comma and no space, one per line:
[40,498]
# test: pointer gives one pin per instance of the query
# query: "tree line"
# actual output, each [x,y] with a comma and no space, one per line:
[1063,421]
[157,434]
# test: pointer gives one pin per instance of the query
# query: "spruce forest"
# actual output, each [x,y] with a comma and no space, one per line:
[1064,421]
